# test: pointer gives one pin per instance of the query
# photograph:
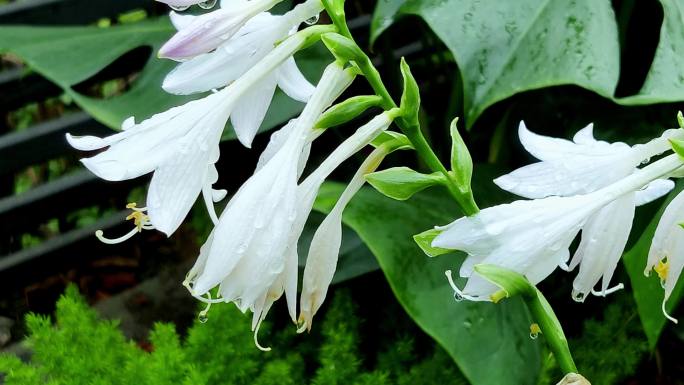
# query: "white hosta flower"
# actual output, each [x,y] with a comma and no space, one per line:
[179,145]
[582,166]
[666,255]
[532,237]
[241,52]
[321,261]
[201,34]
[236,56]
[249,255]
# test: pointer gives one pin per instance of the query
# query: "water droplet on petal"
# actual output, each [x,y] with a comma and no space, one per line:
[312,20]
[458,297]
[179,8]
[208,4]
[578,296]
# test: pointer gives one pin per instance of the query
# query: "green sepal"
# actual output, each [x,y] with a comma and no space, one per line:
[511,282]
[424,241]
[397,139]
[680,119]
[401,183]
[347,110]
[342,47]
[410,98]
[461,161]
[678,146]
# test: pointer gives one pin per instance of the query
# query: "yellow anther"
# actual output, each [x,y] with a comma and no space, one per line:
[535,329]
[662,268]
[138,216]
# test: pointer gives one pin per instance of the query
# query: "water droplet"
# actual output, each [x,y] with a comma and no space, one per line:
[209,4]
[312,20]
[458,297]
[202,318]
[534,336]
[578,296]
[646,161]
[179,8]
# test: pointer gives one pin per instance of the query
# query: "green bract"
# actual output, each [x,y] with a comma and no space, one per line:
[342,47]
[402,182]
[410,98]
[461,162]
[424,241]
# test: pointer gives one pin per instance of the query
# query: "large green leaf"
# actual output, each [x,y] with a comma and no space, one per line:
[647,291]
[490,343]
[506,47]
[665,79]
[69,55]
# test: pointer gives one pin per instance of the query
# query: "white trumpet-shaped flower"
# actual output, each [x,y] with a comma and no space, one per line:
[321,261]
[532,237]
[201,34]
[582,166]
[248,255]
[236,56]
[179,145]
[666,255]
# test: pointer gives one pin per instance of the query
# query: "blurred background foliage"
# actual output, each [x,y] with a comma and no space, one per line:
[557,64]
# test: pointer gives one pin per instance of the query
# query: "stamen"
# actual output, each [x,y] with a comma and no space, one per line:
[100,235]
[662,269]
[671,318]
[256,338]
[606,292]
[457,292]
[140,220]
[209,202]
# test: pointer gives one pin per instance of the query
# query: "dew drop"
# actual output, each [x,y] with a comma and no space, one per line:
[202,318]
[312,20]
[578,296]
[209,4]
[458,297]
[534,336]
[179,8]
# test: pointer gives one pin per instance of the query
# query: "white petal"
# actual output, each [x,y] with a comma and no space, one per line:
[604,237]
[667,234]
[653,191]
[293,83]
[249,112]
[585,135]
[181,21]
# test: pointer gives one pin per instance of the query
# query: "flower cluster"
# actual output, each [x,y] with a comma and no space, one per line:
[241,53]
[583,185]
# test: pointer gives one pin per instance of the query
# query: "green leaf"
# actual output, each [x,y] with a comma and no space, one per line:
[385,14]
[402,182]
[506,47]
[647,291]
[665,79]
[490,343]
[70,55]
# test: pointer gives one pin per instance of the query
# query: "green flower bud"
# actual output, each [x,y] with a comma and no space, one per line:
[347,110]
[401,183]
[410,98]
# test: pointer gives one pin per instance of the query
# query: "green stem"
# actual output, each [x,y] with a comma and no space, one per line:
[413,133]
[551,330]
